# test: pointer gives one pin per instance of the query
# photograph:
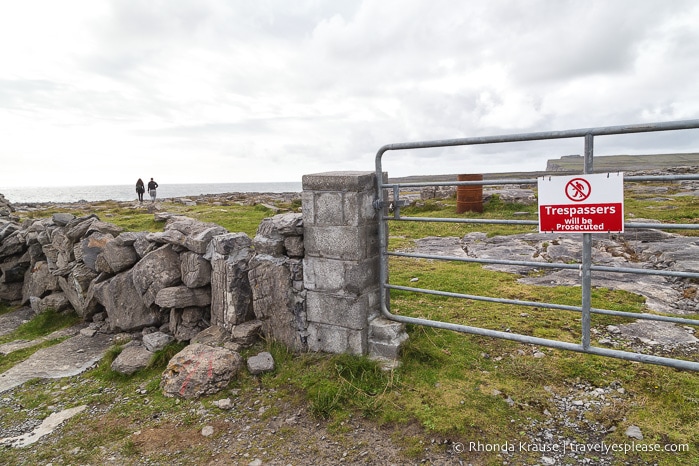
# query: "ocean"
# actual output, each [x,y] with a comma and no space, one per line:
[128,192]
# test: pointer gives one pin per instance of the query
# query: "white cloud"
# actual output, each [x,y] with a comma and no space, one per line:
[228,91]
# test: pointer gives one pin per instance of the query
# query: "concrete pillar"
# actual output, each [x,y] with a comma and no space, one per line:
[341,263]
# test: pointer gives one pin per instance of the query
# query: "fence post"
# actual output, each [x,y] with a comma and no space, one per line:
[341,263]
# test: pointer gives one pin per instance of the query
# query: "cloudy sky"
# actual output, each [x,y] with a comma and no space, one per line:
[198,91]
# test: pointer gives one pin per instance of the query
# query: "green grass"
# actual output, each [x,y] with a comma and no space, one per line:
[676,209]
[6,308]
[41,325]
[234,217]
[402,233]
[471,279]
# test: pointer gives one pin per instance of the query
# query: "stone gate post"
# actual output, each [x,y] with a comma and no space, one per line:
[341,264]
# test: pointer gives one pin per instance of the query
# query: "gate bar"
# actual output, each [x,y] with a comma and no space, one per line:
[566,134]
[637,357]
[562,307]
[423,184]
[551,265]
[654,226]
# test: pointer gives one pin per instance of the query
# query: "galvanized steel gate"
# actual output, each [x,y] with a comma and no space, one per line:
[586,267]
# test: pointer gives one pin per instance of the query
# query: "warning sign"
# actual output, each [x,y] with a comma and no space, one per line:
[582,203]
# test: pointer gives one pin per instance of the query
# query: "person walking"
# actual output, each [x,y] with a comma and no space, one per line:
[152,186]
[140,189]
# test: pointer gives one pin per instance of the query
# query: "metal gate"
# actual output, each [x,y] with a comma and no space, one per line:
[586,266]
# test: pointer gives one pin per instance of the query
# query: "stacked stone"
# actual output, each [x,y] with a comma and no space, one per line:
[13,264]
[182,280]
[132,280]
[6,209]
[341,267]
[276,278]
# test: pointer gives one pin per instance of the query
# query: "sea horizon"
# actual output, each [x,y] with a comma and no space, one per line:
[95,193]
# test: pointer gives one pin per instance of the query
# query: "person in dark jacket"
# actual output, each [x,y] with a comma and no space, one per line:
[152,186]
[140,189]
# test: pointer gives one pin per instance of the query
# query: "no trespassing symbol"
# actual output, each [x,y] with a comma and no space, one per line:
[581,204]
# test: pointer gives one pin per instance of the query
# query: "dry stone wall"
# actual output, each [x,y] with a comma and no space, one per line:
[188,277]
[194,277]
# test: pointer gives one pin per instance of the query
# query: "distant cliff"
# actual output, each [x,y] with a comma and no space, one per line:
[624,162]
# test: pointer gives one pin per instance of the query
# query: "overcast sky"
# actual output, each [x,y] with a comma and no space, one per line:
[199,91]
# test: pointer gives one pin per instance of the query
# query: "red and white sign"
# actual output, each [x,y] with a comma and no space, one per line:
[582,203]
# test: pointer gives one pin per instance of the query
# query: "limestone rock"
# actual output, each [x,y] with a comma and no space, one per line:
[12,245]
[39,282]
[157,270]
[143,246]
[132,358]
[634,432]
[385,338]
[247,333]
[123,303]
[187,323]
[63,247]
[289,224]
[13,269]
[263,362]
[665,333]
[62,218]
[92,246]
[200,370]
[271,246]
[11,292]
[231,295]
[224,404]
[173,238]
[281,312]
[76,286]
[77,228]
[56,301]
[197,234]
[212,336]
[229,244]
[294,246]
[181,297]
[273,235]
[195,270]
[103,227]
[6,229]
[156,341]
[119,256]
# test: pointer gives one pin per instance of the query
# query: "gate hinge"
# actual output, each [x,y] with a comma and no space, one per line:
[379,204]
